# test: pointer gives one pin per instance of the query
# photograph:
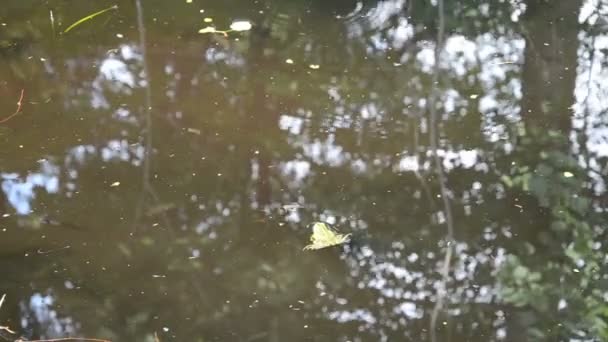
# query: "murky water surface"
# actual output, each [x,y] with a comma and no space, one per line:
[158,180]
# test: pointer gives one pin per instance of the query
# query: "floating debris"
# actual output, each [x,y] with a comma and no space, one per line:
[323,236]
[19,103]
[194,131]
[237,26]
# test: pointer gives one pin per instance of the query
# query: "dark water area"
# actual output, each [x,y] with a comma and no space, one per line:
[158,181]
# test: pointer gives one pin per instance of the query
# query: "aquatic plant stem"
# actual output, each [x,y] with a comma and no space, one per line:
[147,188]
[19,104]
[147,112]
[142,47]
[445,270]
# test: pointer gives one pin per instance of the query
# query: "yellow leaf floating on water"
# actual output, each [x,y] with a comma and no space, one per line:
[323,236]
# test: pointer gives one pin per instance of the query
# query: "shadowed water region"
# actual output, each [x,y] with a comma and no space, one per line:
[158,181]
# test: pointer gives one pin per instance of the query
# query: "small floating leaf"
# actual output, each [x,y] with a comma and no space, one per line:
[89,17]
[323,236]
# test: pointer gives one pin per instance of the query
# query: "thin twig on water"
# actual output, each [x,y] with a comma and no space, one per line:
[52,18]
[19,103]
[7,329]
[3,327]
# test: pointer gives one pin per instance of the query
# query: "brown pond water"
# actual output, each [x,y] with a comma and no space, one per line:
[157,180]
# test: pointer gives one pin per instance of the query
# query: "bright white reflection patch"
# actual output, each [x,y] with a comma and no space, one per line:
[21,192]
[291,124]
[241,25]
[355,315]
[409,309]
[116,71]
